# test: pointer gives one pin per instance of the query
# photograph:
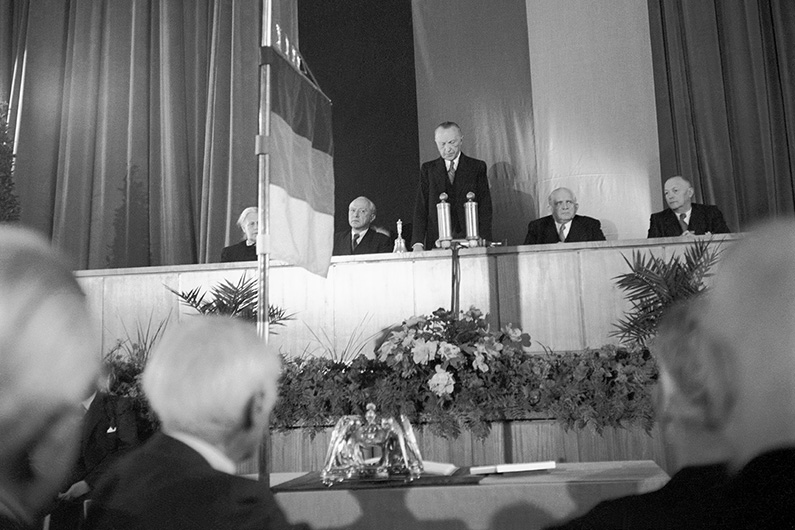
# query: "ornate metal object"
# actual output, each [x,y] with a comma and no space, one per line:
[393,441]
[471,211]
[400,243]
[444,222]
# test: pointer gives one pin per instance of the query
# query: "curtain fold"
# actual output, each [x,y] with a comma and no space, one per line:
[726,102]
[135,124]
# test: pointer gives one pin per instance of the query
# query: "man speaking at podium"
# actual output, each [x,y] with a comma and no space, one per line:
[455,174]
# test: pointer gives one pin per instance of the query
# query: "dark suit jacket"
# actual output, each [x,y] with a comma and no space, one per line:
[109,430]
[470,175]
[704,218]
[371,243]
[239,252]
[166,485]
[693,498]
[582,228]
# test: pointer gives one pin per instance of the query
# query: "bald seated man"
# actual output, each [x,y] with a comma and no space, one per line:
[564,225]
[49,363]
[362,238]
[683,217]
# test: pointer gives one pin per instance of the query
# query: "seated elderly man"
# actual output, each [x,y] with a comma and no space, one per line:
[693,498]
[212,383]
[564,225]
[245,250]
[48,364]
[362,238]
[683,217]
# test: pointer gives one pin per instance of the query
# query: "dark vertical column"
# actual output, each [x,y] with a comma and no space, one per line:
[362,55]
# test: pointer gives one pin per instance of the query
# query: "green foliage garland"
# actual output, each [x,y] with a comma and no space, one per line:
[606,387]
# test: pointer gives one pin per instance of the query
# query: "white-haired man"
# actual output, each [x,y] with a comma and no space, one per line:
[563,225]
[245,250]
[752,315]
[213,383]
[48,365]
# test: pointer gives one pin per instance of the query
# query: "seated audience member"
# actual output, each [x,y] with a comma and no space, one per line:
[683,216]
[752,313]
[691,422]
[109,430]
[362,238]
[212,383]
[245,250]
[564,225]
[48,364]
[455,174]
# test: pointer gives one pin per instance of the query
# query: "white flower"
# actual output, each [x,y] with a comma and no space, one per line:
[515,334]
[385,350]
[424,351]
[408,338]
[479,362]
[442,382]
[449,351]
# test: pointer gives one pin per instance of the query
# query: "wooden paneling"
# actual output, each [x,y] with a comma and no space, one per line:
[563,295]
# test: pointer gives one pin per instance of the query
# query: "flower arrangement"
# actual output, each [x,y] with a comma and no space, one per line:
[452,372]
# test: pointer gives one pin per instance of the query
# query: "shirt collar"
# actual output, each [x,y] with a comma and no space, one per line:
[214,456]
[455,162]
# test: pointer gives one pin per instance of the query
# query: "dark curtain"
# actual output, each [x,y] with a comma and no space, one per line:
[362,55]
[135,123]
[725,84]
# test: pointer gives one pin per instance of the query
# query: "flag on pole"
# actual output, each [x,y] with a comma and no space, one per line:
[301,191]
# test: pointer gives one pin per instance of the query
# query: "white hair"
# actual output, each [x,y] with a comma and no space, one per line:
[203,374]
[751,313]
[49,347]
[242,219]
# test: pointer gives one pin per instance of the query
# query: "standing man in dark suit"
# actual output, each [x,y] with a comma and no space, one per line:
[455,174]
[109,430]
[213,383]
[564,225]
[683,217]
[361,238]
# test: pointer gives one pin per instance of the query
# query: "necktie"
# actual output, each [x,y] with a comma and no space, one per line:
[354,242]
[682,222]
[451,172]
[562,233]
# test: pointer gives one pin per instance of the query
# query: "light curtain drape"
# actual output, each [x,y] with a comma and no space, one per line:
[472,67]
[725,83]
[135,123]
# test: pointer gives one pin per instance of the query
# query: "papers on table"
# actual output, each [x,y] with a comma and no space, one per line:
[512,468]
[438,468]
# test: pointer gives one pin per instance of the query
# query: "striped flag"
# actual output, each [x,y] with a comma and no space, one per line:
[302,174]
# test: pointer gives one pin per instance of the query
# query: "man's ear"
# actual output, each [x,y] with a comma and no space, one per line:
[253,411]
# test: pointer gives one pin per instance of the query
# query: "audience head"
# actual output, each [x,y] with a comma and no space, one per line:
[752,314]
[563,204]
[678,194]
[361,213]
[691,404]
[249,223]
[49,362]
[214,378]
[448,140]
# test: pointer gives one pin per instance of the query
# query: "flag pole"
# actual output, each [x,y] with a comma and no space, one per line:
[263,195]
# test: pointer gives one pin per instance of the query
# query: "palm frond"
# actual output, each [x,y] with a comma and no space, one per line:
[232,299]
[654,284]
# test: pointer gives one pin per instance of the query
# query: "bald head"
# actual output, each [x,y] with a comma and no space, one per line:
[752,314]
[563,204]
[678,194]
